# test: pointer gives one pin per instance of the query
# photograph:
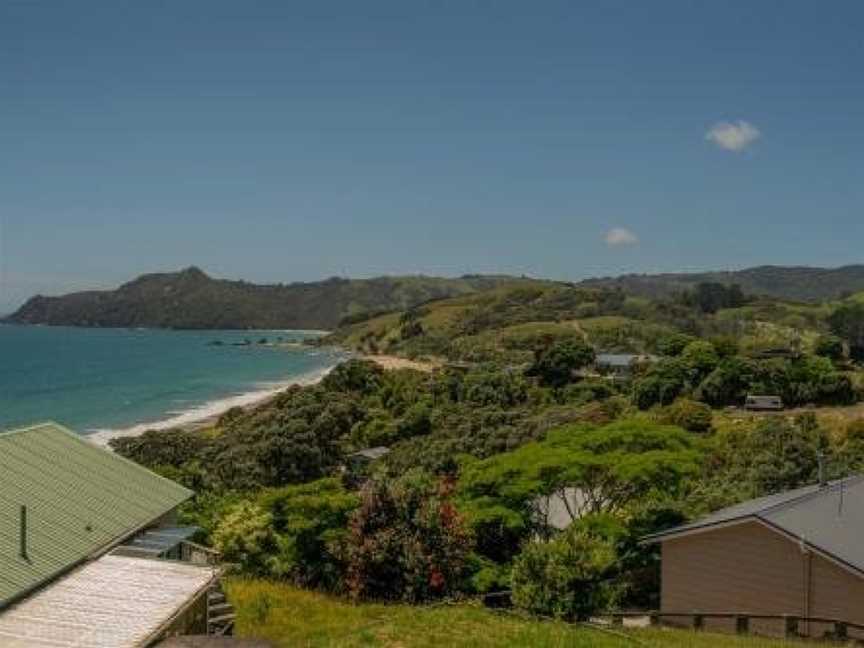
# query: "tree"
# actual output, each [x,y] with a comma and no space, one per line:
[310,526]
[566,577]
[728,384]
[709,297]
[556,364]
[673,344]
[847,322]
[701,358]
[829,346]
[610,468]
[491,386]
[662,383]
[406,541]
[687,414]
[360,376]
[245,536]
[768,456]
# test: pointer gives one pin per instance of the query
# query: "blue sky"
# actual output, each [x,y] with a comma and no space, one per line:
[280,141]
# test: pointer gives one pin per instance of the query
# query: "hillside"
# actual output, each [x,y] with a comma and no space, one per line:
[190,299]
[508,323]
[782,282]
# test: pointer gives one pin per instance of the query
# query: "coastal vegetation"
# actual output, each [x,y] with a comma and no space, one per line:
[517,411]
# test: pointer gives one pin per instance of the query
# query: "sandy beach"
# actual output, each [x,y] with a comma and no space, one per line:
[389,362]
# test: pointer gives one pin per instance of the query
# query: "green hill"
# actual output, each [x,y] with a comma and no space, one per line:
[190,299]
[509,322]
[798,283]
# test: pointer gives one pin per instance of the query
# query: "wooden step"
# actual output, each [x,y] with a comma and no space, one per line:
[217,609]
[221,619]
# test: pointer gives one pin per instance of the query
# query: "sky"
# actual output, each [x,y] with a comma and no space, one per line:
[293,141]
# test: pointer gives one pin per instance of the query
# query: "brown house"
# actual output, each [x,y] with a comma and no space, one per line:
[799,553]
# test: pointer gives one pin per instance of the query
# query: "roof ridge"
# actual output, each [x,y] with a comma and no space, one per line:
[819,490]
[78,438]
[30,428]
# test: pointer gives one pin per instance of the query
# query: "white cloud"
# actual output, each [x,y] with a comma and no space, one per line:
[620,236]
[733,136]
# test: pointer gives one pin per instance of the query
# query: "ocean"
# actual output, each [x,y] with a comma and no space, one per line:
[109,382]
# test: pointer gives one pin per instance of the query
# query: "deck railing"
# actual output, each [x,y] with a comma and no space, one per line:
[793,626]
[198,554]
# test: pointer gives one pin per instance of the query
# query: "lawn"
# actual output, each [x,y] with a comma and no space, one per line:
[297,618]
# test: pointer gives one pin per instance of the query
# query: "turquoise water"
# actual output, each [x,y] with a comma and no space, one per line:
[101,380]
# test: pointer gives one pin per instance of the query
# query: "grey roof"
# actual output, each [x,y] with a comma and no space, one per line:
[829,519]
[372,453]
[155,543]
[621,359]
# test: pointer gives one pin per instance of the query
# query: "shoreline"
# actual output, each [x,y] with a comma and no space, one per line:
[207,413]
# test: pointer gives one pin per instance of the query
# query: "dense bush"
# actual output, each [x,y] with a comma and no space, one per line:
[567,577]
[847,322]
[407,541]
[297,533]
[662,384]
[556,365]
[829,346]
[688,414]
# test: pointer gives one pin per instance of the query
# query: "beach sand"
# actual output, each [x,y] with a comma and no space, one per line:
[395,362]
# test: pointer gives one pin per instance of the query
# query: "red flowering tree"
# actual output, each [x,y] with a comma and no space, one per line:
[407,541]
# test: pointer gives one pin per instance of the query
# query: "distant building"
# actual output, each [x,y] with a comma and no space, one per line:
[621,364]
[358,466]
[559,510]
[90,551]
[367,456]
[763,403]
[797,553]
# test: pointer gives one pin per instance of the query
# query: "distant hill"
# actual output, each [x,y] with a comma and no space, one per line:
[190,299]
[780,282]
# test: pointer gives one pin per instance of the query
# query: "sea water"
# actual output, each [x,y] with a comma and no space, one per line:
[107,382]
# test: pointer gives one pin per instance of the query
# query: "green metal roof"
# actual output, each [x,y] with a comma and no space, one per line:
[80,499]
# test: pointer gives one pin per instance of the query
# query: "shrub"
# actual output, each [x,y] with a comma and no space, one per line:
[555,365]
[661,385]
[688,414]
[674,344]
[245,536]
[829,346]
[406,541]
[360,376]
[567,577]
[700,357]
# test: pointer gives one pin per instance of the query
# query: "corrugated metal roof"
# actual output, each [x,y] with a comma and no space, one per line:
[80,499]
[372,453]
[112,602]
[828,518]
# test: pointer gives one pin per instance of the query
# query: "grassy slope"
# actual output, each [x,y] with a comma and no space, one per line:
[292,617]
[502,321]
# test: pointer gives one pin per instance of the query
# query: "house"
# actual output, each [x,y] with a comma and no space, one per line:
[621,365]
[796,553]
[363,458]
[90,552]
[763,403]
[560,509]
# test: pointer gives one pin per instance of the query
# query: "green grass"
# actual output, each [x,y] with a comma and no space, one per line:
[292,617]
